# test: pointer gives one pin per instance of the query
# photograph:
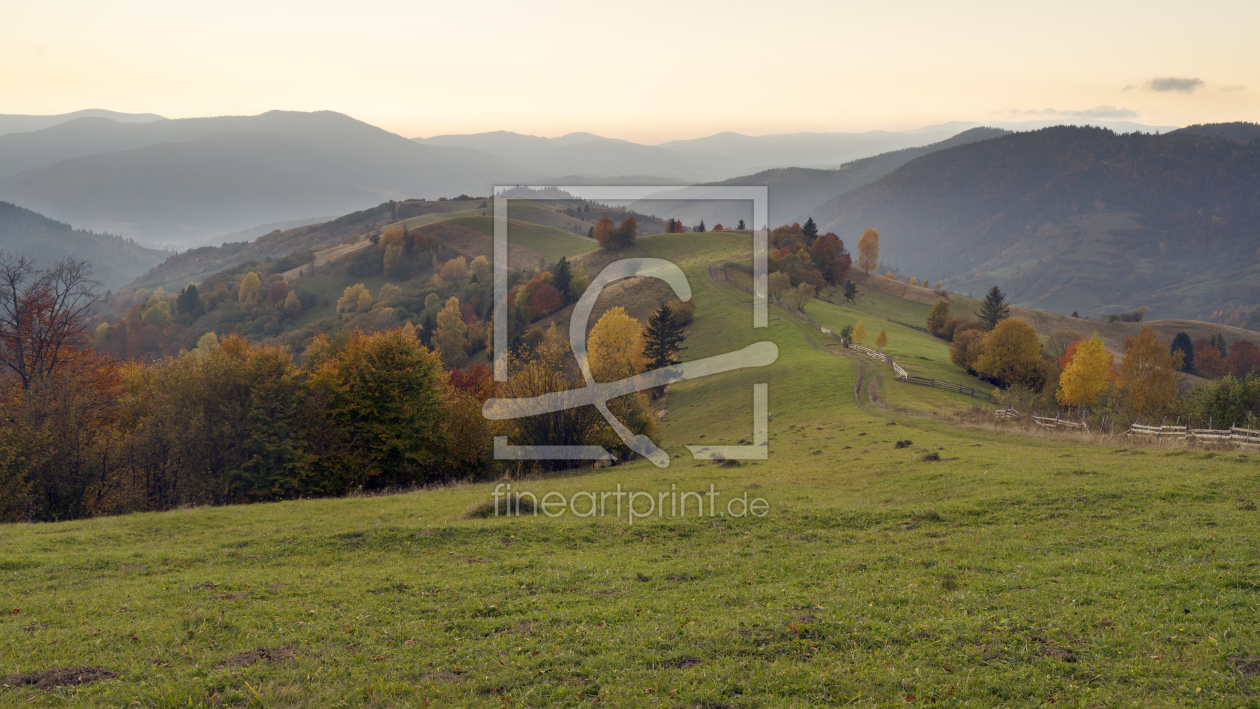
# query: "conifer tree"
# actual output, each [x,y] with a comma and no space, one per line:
[810,229]
[664,335]
[994,309]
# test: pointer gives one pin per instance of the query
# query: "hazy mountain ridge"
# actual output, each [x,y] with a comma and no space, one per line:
[188,179]
[115,261]
[1074,219]
[20,123]
[795,192]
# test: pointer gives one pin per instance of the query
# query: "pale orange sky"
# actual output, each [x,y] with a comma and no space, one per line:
[647,71]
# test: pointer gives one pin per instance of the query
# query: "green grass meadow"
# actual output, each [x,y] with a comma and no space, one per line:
[1015,571]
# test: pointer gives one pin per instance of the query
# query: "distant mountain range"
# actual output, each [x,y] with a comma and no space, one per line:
[180,181]
[1076,218]
[17,123]
[795,192]
[115,261]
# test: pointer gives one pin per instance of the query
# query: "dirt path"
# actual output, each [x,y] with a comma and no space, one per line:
[328,255]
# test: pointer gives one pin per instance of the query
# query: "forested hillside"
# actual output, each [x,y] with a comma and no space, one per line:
[1071,218]
[114,260]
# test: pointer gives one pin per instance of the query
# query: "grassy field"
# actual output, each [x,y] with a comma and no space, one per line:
[1013,571]
[548,241]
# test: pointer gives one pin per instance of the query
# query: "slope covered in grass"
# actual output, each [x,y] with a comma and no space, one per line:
[1012,572]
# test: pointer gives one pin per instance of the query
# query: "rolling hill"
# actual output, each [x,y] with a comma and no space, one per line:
[1074,219]
[796,191]
[18,123]
[114,260]
[174,181]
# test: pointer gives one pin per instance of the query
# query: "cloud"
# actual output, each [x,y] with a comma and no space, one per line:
[1097,112]
[1172,83]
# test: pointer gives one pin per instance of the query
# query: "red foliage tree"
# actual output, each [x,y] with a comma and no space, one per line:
[831,257]
[477,382]
[1244,359]
[277,292]
[43,315]
[546,300]
[603,233]
[1208,361]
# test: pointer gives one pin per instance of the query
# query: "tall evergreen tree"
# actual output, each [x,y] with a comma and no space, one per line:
[664,335]
[700,227]
[810,229]
[994,309]
[561,277]
[1181,341]
[189,303]
[740,225]
[850,291]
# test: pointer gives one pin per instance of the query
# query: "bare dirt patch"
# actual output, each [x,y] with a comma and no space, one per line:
[245,659]
[59,677]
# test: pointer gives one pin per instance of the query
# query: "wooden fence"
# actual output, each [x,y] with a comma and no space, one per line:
[1233,434]
[961,389]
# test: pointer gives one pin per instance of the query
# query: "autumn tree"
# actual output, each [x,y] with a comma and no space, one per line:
[829,254]
[454,271]
[1011,354]
[966,348]
[868,250]
[481,269]
[994,309]
[1148,374]
[800,295]
[859,332]
[292,305]
[614,348]
[603,233]
[250,285]
[451,336]
[1088,374]
[1208,361]
[938,316]
[625,234]
[778,283]
[881,340]
[1244,359]
[353,299]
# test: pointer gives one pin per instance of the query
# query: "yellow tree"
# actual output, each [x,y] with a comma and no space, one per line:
[249,286]
[451,335]
[868,250]
[352,297]
[778,284]
[615,346]
[1087,375]
[859,332]
[1149,373]
[881,340]
[938,316]
[481,269]
[1011,354]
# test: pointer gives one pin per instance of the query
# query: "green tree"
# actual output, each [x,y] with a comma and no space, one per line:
[850,291]
[740,226]
[810,230]
[994,309]
[386,418]
[664,335]
[700,226]
[188,304]
[157,312]
[562,277]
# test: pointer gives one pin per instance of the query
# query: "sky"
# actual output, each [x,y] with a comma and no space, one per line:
[643,71]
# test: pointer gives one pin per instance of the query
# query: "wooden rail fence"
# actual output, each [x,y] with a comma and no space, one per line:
[1233,434]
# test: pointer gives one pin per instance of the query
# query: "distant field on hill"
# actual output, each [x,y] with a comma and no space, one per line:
[548,241]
